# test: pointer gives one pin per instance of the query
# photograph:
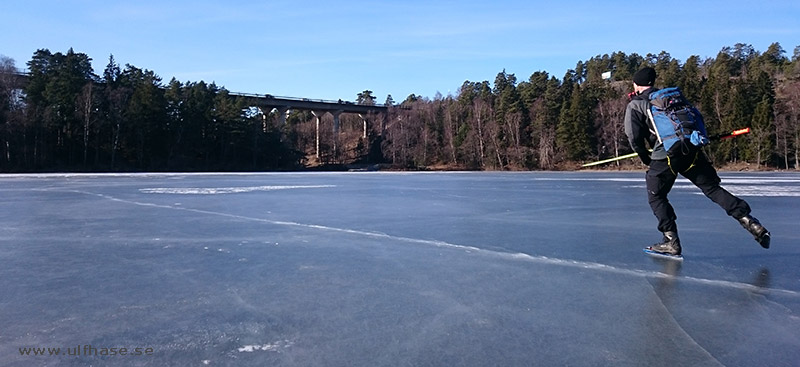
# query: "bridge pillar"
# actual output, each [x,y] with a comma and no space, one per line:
[336,133]
[283,112]
[317,117]
[364,119]
[336,121]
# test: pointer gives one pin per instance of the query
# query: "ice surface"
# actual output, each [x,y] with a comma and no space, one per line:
[392,269]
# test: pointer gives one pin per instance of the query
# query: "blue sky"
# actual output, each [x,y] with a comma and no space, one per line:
[336,49]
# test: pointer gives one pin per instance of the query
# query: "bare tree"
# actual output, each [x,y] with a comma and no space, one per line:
[85,108]
[787,118]
[610,126]
[450,131]
[7,101]
[512,130]
[782,134]
[547,148]
[481,113]
[543,134]
[401,136]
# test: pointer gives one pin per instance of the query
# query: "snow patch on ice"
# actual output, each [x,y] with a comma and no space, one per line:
[224,190]
[753,190]
[269,347]
[725,179]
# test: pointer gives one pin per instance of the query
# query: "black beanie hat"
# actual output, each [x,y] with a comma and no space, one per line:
[645,77]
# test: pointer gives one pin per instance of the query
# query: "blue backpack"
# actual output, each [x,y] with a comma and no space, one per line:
[676,121]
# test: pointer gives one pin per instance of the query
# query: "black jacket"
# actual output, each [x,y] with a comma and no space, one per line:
[639,128]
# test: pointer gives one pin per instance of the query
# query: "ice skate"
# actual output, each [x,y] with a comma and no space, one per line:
[752,225]
[670,246]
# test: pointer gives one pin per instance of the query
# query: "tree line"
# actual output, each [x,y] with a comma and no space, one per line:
[68,118]
[549,123]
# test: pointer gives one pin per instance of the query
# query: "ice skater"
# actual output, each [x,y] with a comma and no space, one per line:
[681,157]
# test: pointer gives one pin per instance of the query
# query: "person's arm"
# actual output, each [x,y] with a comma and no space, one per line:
[637,132]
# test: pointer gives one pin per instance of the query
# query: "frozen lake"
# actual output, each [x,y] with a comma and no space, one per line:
[391,269]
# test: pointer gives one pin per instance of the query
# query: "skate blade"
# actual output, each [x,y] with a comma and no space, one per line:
[663,255]
[764,240]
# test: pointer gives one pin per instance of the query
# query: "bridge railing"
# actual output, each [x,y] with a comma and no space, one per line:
[270,96]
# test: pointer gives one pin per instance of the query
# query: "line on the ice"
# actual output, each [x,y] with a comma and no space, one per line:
[519,256]
[667,311]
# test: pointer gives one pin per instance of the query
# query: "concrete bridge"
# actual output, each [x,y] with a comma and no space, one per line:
[318,108]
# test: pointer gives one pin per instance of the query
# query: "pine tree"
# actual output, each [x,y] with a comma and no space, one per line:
[56,81]
[144,117]
[573,130]
[667,68]
[762,136]
[691,81]
[365,98]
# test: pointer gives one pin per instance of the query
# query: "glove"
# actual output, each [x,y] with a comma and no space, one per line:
[645,159]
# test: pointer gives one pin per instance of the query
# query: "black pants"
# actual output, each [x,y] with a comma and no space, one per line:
[698,169]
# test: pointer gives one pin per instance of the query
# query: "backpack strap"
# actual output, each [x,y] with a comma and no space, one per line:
[654,130]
